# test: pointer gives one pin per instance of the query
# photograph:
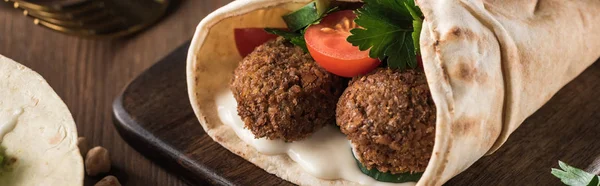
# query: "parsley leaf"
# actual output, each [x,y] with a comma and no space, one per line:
[417,24]
[575,177]
[390,29]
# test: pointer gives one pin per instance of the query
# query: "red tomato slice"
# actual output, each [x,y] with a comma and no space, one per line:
[327,44]
[246,39]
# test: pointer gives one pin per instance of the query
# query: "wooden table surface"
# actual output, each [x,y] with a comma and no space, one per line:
[87,74]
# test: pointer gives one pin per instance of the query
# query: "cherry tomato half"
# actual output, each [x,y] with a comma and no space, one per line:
[247,39]
[327,44]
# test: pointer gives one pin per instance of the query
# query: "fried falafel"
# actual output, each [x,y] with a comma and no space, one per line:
[389,116]
[283,94]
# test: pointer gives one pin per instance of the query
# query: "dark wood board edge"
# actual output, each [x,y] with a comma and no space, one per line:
[158,151]
[136,136]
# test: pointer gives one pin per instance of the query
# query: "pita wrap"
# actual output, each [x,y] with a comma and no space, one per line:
[40,136]
[489,64]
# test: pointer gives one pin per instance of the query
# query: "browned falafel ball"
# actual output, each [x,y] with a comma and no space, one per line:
[283,94]
[389,116]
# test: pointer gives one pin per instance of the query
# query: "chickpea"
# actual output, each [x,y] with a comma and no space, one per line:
[97,161]
[83,146]
[108,181]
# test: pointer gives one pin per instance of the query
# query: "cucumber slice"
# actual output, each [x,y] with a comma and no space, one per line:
[302,17]
[389,177]
[322,6]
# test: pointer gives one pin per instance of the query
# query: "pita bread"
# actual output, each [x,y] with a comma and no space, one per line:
[489,64]
[44,138]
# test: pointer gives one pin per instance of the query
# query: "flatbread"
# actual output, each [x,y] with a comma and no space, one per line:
[489,64]
[44,139]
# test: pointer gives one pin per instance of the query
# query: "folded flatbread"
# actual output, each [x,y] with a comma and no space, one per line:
[489,64]
[39,134]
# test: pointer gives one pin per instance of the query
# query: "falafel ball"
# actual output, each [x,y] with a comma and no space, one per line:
[283,94]
[389,116]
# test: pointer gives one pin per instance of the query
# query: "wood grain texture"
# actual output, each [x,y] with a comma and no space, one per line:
[155,114]
[89,74]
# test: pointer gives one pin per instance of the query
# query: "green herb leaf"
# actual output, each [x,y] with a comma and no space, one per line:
[575,177]
[299,21]
[417,25]
[303,17]
[390,29]
[295,38]
[389,177]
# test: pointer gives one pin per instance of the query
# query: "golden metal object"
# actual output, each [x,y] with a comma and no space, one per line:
[94,18]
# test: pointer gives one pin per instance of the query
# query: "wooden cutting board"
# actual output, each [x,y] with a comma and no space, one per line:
[154,116]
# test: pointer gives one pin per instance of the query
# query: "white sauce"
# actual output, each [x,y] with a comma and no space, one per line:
[326,154]
[8,121]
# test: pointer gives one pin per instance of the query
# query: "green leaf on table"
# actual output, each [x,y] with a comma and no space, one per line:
[575,177]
